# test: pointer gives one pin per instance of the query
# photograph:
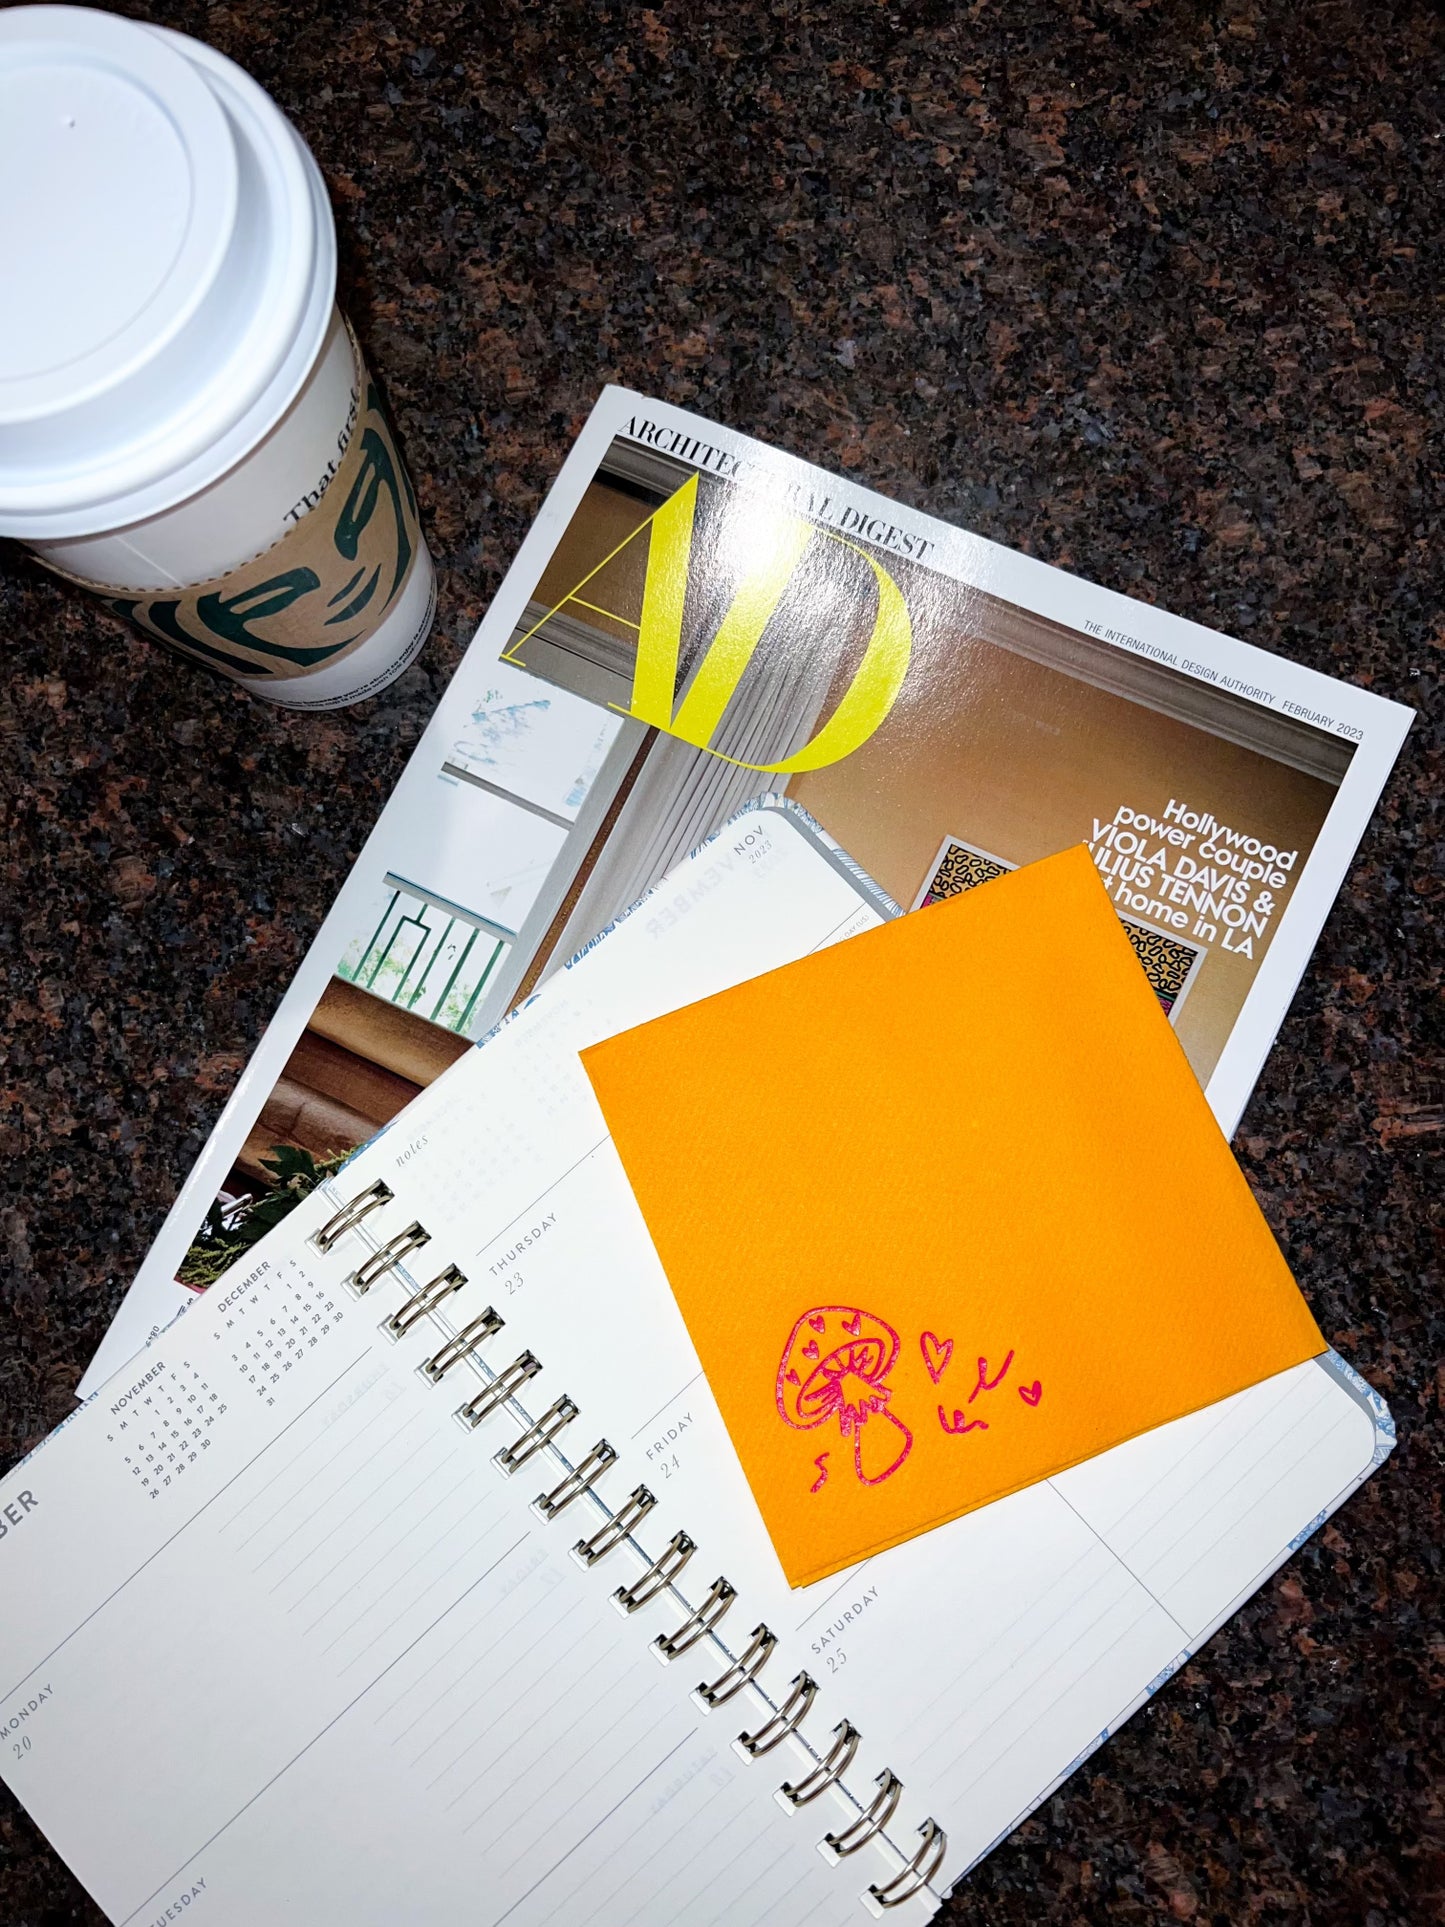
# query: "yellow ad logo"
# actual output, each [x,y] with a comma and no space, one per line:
[669,532]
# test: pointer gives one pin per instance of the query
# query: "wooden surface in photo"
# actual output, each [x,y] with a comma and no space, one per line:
[1146,290]
[359,1061]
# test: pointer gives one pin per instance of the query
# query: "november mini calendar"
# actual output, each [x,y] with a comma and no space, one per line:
[161,1425]
[696,619]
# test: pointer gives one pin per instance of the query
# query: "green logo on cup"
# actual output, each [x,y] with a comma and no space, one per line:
[270,616]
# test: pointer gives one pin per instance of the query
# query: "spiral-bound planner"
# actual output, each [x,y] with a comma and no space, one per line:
[410,1575]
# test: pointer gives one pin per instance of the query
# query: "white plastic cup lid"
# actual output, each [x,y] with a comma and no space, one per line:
[167,268]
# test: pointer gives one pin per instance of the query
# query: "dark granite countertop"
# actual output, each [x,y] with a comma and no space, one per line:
[1149,290]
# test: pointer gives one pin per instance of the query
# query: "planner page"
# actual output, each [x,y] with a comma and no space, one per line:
[979,1662]
[306,1619]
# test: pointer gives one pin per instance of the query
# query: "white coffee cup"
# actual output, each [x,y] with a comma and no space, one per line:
[186,426]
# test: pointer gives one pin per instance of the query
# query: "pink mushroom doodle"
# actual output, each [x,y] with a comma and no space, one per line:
[833,1366]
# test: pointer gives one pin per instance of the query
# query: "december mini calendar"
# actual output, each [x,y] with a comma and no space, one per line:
[272,1318]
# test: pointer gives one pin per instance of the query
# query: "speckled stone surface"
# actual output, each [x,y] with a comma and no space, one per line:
[1147,290]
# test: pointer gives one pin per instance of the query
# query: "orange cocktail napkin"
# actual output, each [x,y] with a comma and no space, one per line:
[945,1211]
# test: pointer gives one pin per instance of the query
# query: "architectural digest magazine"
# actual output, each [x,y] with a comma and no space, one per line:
[696,619]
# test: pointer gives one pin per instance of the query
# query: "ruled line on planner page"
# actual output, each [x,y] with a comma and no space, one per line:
[771,1899]
[810,1919]
[713,1823]
[292,1464]
[535,1715]
[470,1667]
[775,1907]
[422,1483]
[694,1860]
[667,1714]
[664,1405]
[357,1472]
[546,1191]
[1172,1483]
[744,1811]
[861,918]
[1115,1554]
[243,1470]
[1158,1493]
[709,1872]
[315,1546]
[1296,1445]
[309,1482]
[428,1587]
[576,1844]
[431,1586]
[580,1712]
[1179,1577]
[596,1707]
[733,1899]
[1278,1419]
[1023,1734]
[697,1793]
[517,1592]
[1017,1815]
[851,1579]
[496,1714]
[730,1904]
[356,1700]
[368,1525]
[1249,1467]
[1037,1642]
[1099,1652]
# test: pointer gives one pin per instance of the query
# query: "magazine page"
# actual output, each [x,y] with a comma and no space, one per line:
[696,619]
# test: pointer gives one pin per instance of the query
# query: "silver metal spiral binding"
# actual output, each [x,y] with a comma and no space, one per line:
[698,1624]
[929,1855]
[485,1325]
[504,1386]
[561,1412]
[919,1871]
[371,1199]
[794,1709]
[426,1300]
[635,1508]
[742,1671]
[659,1575]
[880,1811]
[388,1257]
[579,1480]
[832,1767]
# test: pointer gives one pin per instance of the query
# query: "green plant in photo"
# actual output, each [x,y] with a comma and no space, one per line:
[229,1231]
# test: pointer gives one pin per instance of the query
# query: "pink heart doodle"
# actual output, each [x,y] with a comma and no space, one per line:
[793,1379]
[1031,1394]
[810,1350]
[817,1321]
[936,1354]
[854,1324]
